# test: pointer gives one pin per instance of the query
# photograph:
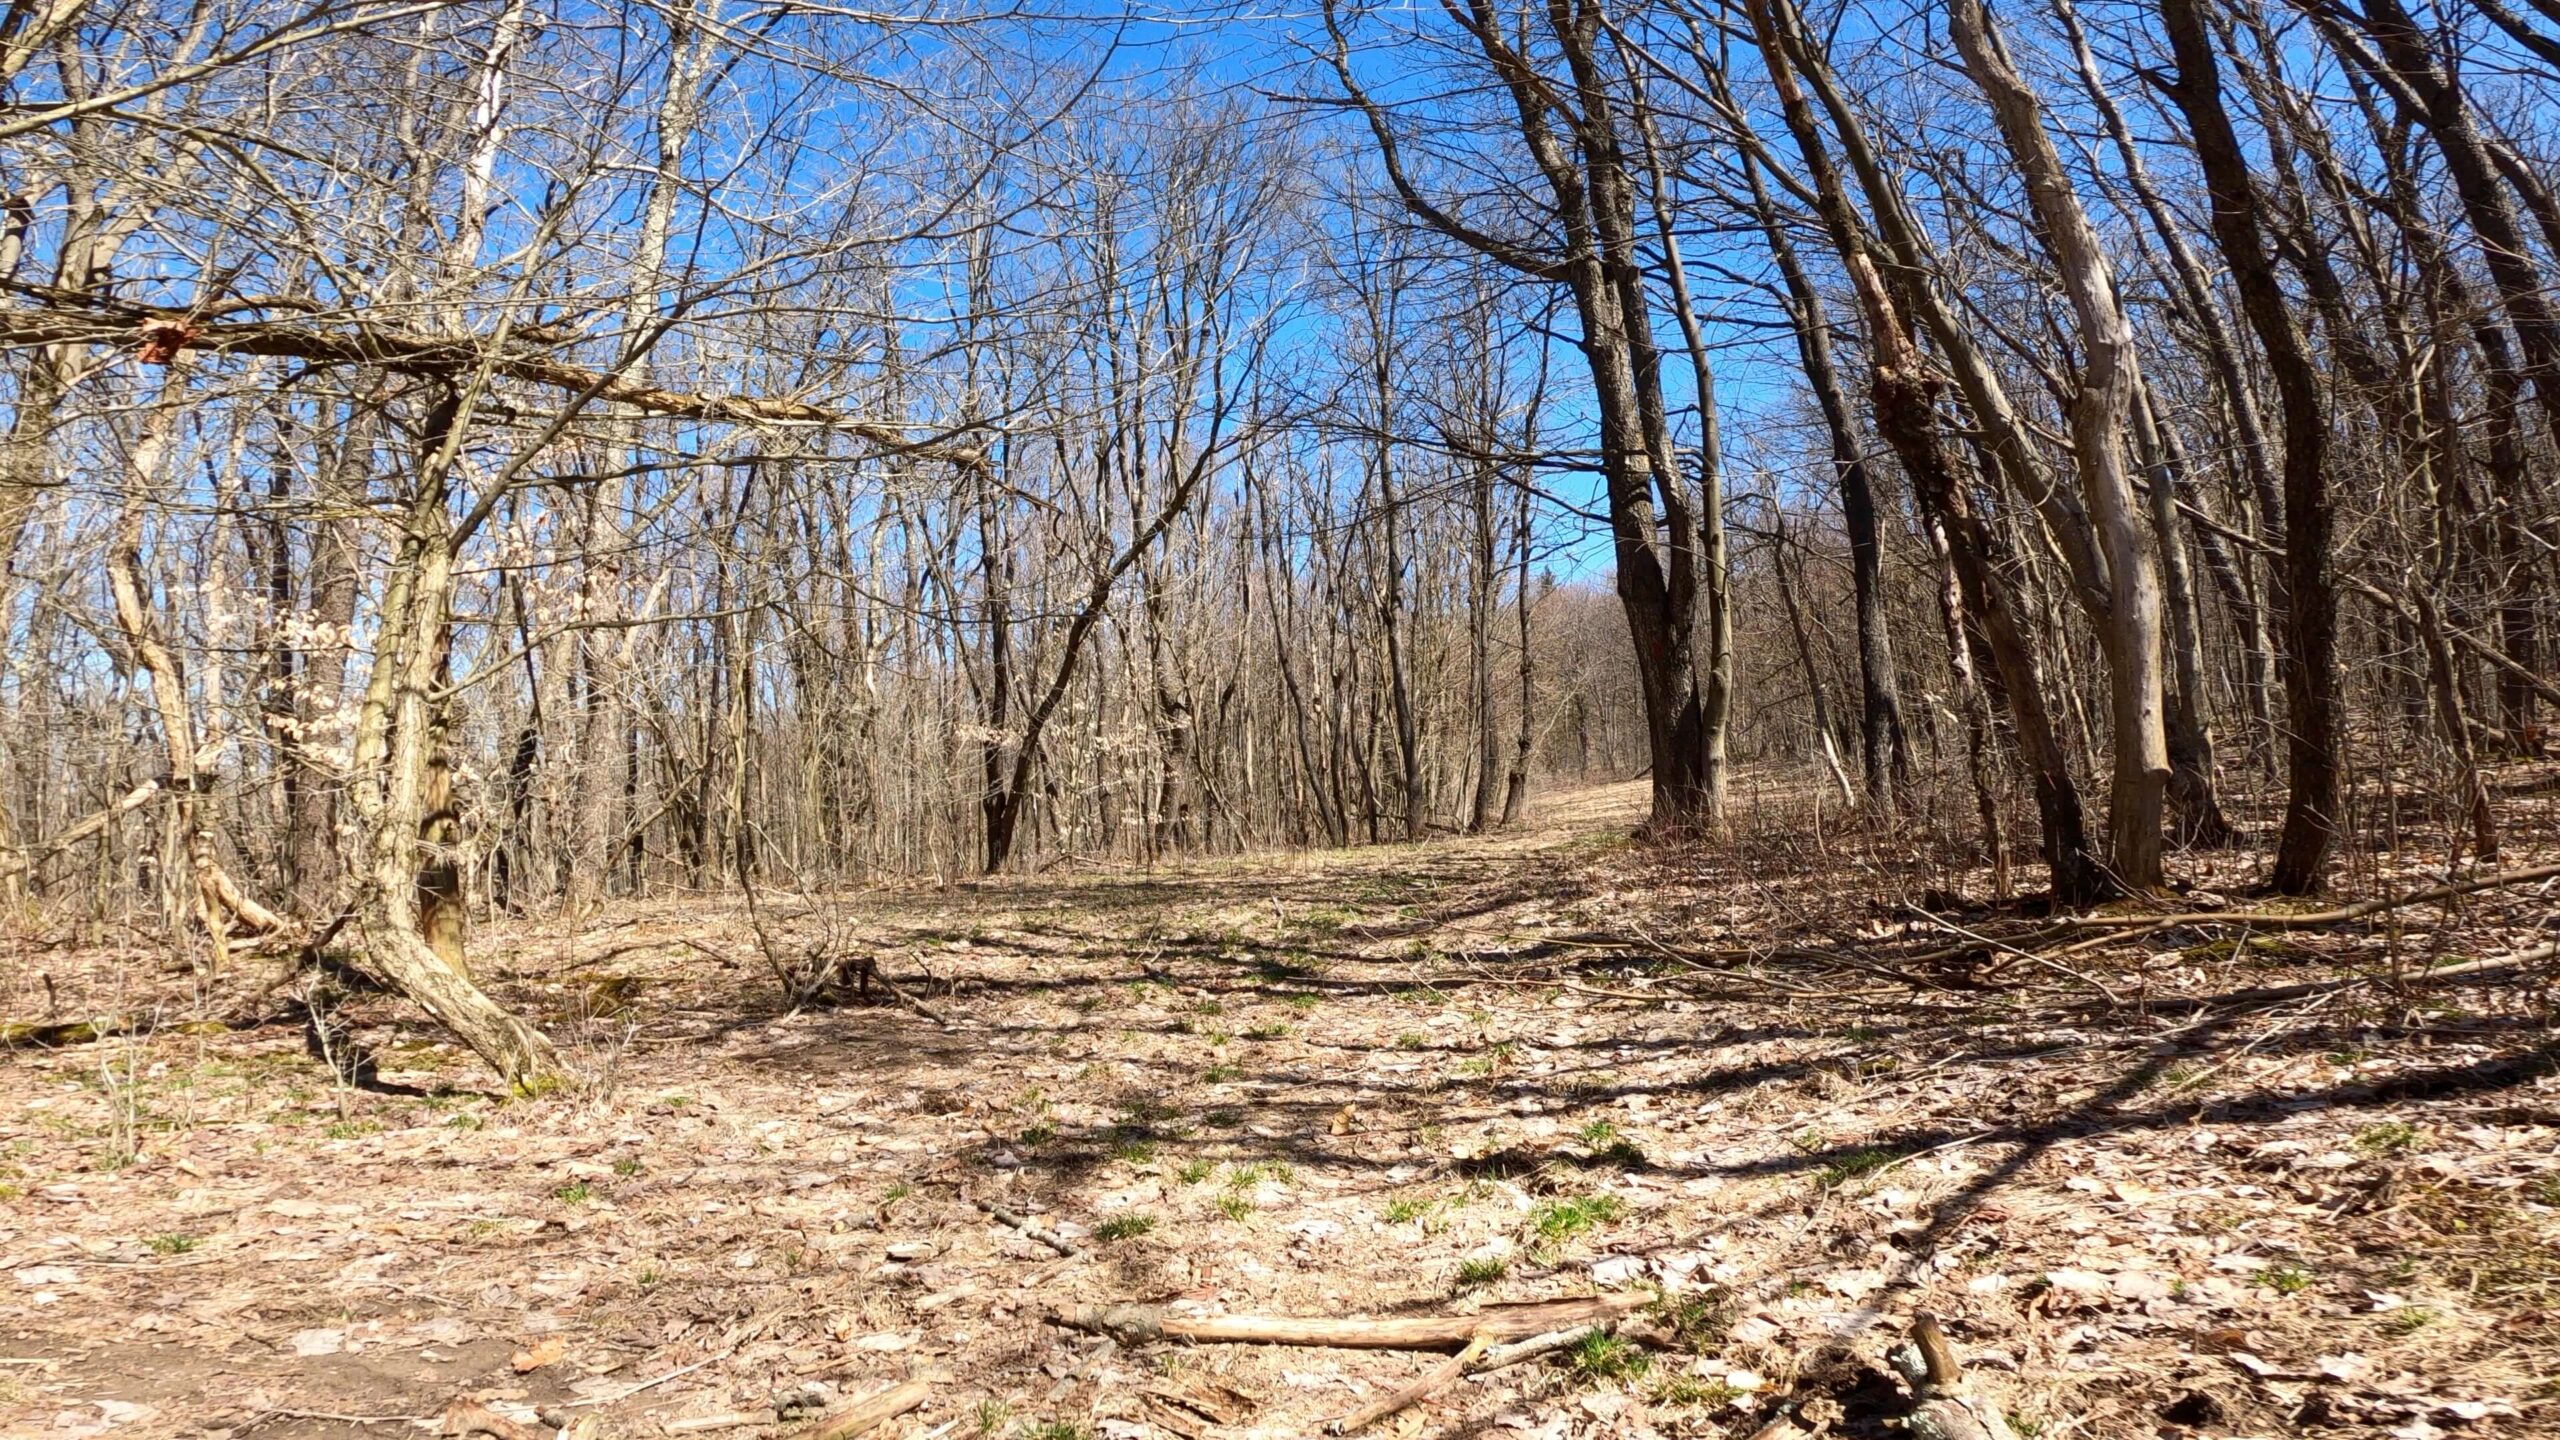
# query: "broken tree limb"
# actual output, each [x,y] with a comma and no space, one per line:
[1027,1226]
[2499,967]
[1503,1356]
[16,861]
[1430,1382]
[1947,1410]
[2313,919]
[74,317]
[1137,1324]
[864,1416]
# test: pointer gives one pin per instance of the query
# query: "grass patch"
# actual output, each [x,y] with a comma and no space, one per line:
[576,1192]
[1699,1322]
[1856,1165]
[1273,1030]
[1124,1227]
[2389,1137]
[1559,1220]
[171,1244]
[1192,1172]
[1478,1271]
[2408,1320]
[1691,1390]
[1603,1356]
[2287,1279]
[1235,1205]
[1607,1147]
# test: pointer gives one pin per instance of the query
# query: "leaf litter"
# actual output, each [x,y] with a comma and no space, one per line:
[1412,1080]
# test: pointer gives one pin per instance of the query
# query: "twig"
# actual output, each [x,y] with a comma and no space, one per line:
[1138,1324]
[903,997]
[1504,1356]
[1024,1223]
[727,1420]
[1428,1383]
[2495,968]
[2030,956]
[332,1415]
[738,1341]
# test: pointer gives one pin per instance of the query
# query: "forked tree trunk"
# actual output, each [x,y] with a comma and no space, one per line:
[2099,413]
[393,767]
[1905,405]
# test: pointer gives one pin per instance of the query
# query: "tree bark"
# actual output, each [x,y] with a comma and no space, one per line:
[2309,663]
[2098,414]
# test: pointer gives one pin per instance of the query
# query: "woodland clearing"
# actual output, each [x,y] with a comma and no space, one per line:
[1747,1081]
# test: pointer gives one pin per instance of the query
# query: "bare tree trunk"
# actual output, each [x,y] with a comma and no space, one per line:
[2310,610]
[1883,746]
[217,901]
[2099,413]
[1484,587]
[2200,820]
[393,770]
[1804,655]
[1905,402]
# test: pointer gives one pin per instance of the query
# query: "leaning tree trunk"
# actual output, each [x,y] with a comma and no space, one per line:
[217,900]
[393,763]
[1904,397]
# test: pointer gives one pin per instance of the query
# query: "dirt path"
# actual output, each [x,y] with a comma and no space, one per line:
[1405,1080]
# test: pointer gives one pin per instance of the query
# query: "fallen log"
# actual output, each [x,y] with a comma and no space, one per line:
[869,1414]
[55,1034]
[1423,1386]
[2500,967]
[1138,1324]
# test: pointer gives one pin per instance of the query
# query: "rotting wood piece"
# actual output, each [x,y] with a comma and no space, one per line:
[869,1414]
[1138,1324]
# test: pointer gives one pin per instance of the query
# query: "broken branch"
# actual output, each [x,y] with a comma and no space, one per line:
[1429,1383]
[1137,1324]
[1024,1223]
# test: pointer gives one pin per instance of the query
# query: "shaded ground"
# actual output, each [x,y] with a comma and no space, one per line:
[1394,1081]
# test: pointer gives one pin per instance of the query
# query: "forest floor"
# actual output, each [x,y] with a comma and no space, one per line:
[2149,1190]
